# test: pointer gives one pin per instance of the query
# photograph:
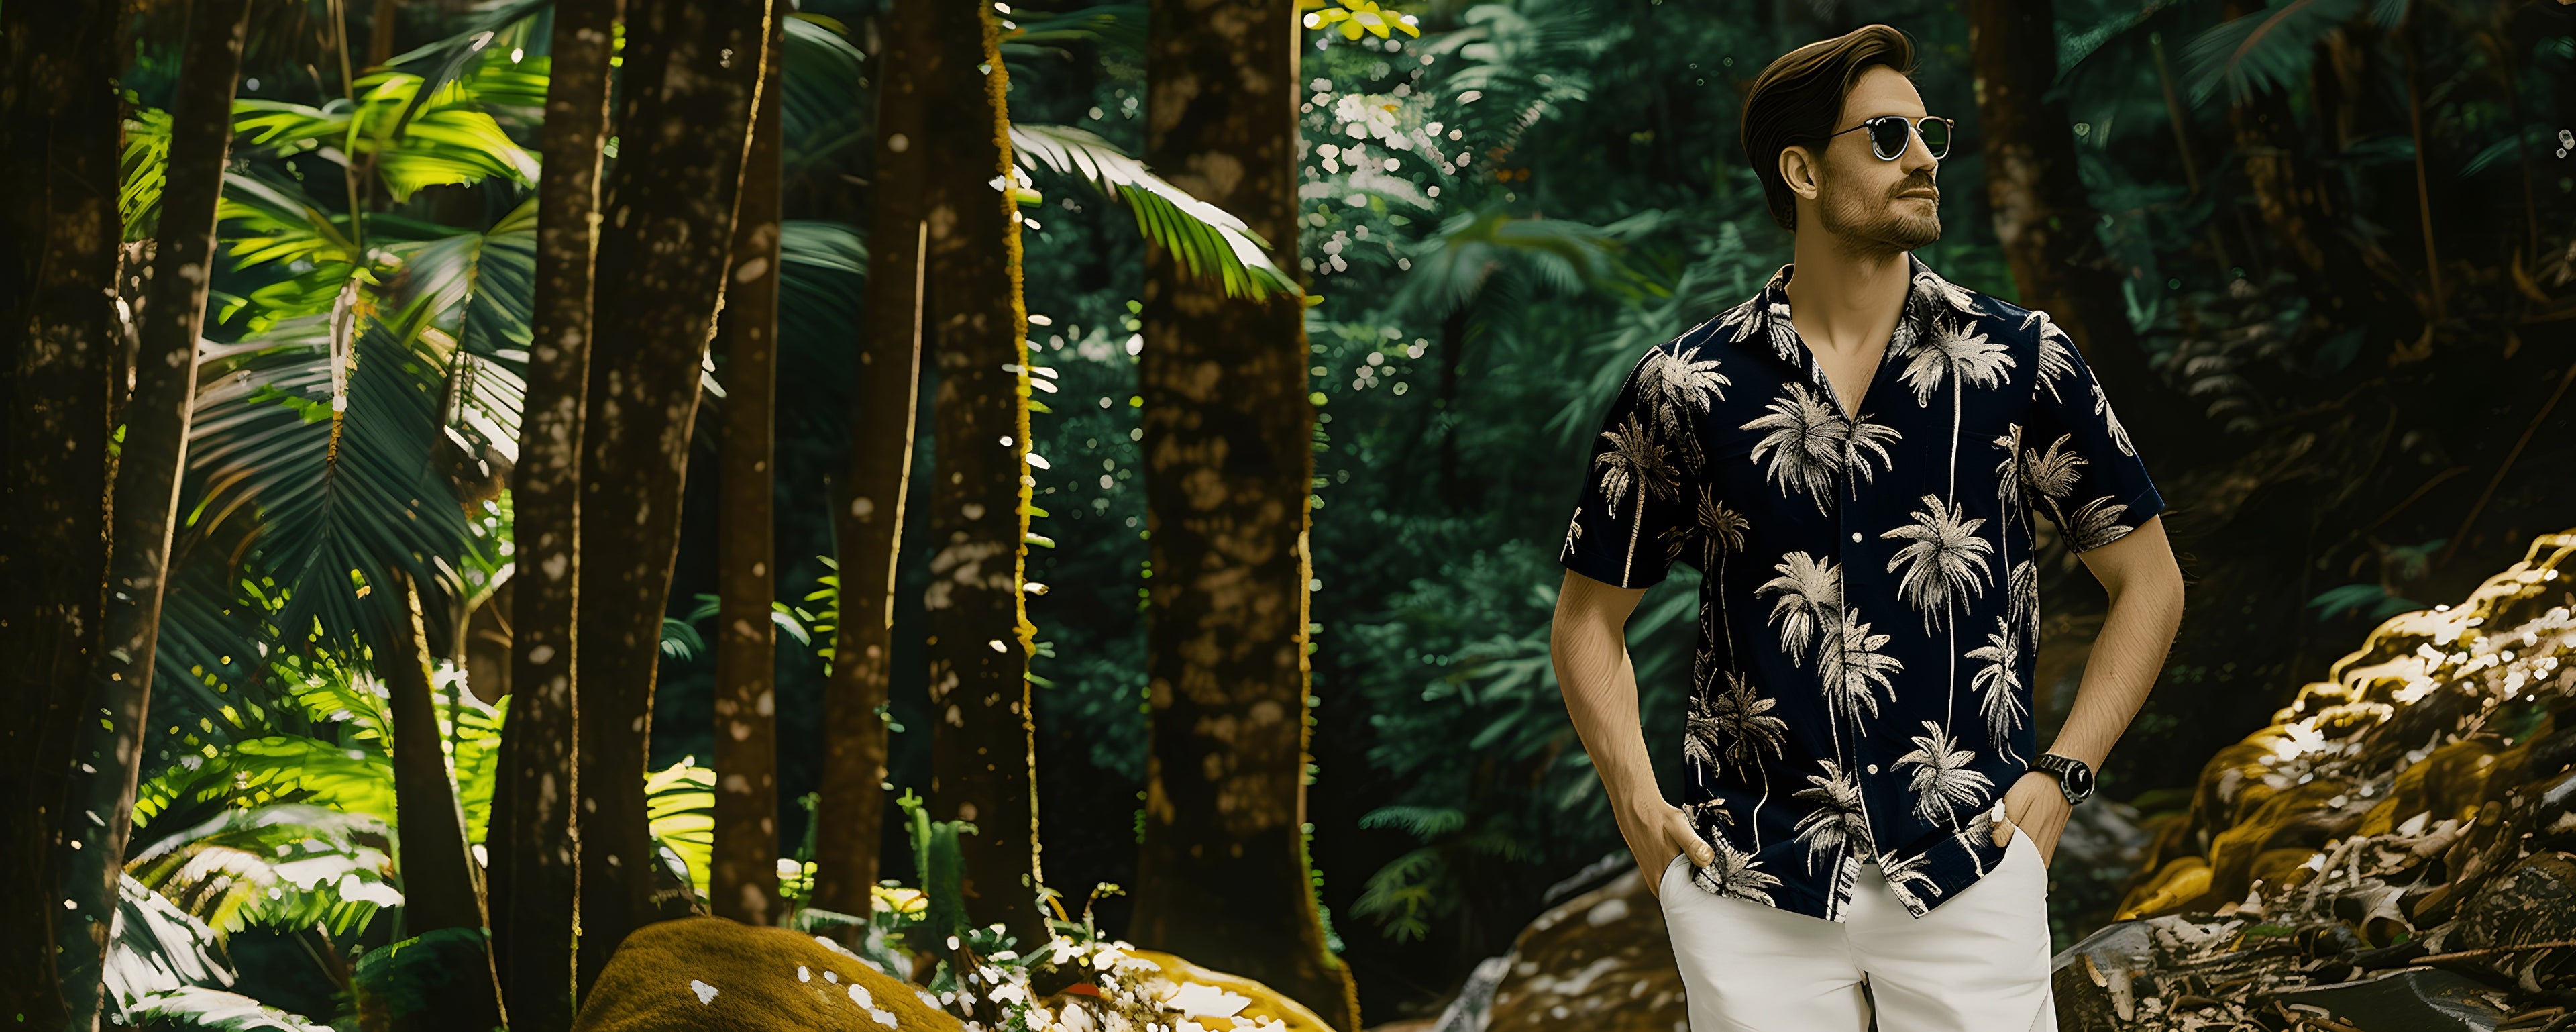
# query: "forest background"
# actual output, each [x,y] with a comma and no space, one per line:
[2322,250]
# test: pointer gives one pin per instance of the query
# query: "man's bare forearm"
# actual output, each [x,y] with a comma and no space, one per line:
[1600,686]
[2122,669]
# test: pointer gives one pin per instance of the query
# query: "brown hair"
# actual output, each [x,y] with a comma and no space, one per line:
[1799,97]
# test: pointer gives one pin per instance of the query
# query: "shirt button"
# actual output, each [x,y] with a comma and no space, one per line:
[1855,535]
[1873,768]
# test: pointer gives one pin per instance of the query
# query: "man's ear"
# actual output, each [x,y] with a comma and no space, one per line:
[1798,169]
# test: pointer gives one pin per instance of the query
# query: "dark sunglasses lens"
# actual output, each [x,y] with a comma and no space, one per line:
[1887,137]
[1936,137]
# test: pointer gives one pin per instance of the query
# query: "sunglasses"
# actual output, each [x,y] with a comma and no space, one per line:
[1887,134]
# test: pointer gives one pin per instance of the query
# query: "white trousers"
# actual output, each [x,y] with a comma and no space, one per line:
[1979,962]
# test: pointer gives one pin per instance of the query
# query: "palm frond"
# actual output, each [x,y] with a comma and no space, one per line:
[270,220]
[321,429]
[822,267]
[472,728]
[2268,49]
[414,133]
[260,771]
[681,641]
[1209,242]
[1114,24]
[2532,139]
[2110,67]
[145,170]
[165,970]
[1524,60]
[1422,822]
[819,82]
[200,1007]
[1451,266]
[497,29]
[287,865]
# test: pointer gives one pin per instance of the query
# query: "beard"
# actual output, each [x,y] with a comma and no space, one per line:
[1876,224]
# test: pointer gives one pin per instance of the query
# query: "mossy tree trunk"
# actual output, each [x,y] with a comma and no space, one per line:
[59,136]
[144,500]
[535,839]
[983,751]
[876,488]
[743,884]
[1223,877]
[690,82]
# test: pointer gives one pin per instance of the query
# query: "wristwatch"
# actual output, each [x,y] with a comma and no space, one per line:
[2073,777]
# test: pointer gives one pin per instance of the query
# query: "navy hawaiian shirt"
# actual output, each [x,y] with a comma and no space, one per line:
[1869,619]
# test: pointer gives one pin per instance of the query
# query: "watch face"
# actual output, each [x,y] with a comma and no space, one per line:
[2079,780]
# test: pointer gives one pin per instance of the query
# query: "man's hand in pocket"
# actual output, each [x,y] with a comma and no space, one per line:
[1657,832]
[2039,808]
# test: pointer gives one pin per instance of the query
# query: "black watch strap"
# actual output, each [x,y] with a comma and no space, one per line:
[2074,778]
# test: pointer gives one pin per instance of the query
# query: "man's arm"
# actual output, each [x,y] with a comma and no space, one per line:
[1588,644]
[2145,585]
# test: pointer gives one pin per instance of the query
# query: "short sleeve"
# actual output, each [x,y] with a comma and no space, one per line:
[1631,518]
[2077,462]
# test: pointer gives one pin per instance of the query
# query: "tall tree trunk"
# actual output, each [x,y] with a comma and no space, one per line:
[380,32]
[877,484]
[744,881]
[692,75]
[59,136]
[1224,874]
[535,842]
[439,881]
[99,810]
[2042,216]
[983,753]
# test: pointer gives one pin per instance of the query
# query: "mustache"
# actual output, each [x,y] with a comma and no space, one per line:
[1914,183]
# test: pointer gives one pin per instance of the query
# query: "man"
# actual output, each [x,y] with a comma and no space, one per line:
[1851,457]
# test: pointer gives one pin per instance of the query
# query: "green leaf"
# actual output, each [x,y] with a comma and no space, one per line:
[145,172]
[2268,49]
[1207,240]
[286,865]
[680,803]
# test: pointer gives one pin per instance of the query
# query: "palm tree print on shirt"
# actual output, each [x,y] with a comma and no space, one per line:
[1634,459]
[1719,531]
[1811,599]
[2102,408]
[1735,874]
[1943,781]
[1838,828]
[1905,877]
[1943,559]
[1854,669]
[1736,724]
[1808,439]
[1893,570]
[1677,386]
[1998,683]
[1837,821]
[2056,352]
[1956,354]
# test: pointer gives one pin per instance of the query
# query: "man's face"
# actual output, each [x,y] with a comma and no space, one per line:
[1868,203]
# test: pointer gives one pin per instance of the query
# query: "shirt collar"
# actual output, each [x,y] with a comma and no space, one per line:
[1928,297]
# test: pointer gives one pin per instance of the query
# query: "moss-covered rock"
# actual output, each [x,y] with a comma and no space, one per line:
[712,974]
[2412,807]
